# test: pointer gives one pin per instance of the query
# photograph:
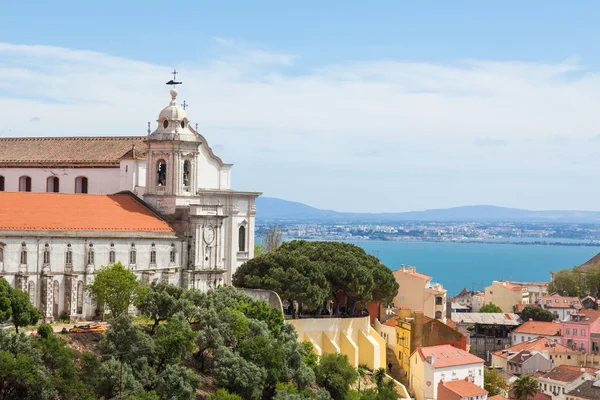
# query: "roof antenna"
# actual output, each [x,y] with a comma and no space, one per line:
[173,81]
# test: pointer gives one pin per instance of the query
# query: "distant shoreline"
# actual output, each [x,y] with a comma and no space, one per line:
[521,243]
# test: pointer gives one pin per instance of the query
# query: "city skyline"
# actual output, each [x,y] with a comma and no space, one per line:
[340,106]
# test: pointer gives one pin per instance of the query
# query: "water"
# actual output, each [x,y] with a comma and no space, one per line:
[470,265]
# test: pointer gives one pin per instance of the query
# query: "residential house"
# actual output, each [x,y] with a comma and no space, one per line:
[588,390]
[547,347]
[416,330]
[462,389]
[387,330]
[471,299]
[560,306]
[431,365]
[528,361]
[536,290]
[534,329]
[505,295]
[418,293]
[486,332]
[577,331]
[589,302]
[561,380]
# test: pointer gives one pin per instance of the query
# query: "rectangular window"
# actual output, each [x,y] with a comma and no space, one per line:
[23,257]
[153,257]
[583,332]
[568,331]
[46,257]
[574,331]
[91,257]
[172,257]
[69,258]
[132,257]
[111,257]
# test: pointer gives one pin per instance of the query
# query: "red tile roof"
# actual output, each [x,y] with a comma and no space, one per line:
[557,301]
[464,388]
[68,151]
[566,373]
[497,397]
[21,211]
[447,356]
[539,328]
[539,344]
[392,321]
[414,273]
[588,316]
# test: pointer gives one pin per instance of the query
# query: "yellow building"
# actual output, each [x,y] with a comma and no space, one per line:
[506,295]
[418,293]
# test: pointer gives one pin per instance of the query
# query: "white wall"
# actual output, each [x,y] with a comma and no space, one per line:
[455,373]
[208,171]
[100,180]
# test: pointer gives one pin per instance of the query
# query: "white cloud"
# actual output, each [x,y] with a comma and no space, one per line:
[378,129]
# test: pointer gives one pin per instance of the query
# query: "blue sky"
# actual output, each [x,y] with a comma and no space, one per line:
[342,105]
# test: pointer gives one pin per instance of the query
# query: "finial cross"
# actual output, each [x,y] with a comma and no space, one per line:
[174,74]
[184,105]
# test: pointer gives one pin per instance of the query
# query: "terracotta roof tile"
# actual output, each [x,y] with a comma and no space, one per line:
[539,328]
[566,373]
[587,390]
[464,388]
[447,356]
[392,321]
[560,302]
[539,344]
[497,397]
[21,211]
[68,151]
[589,316]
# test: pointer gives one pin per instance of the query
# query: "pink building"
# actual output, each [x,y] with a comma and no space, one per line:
[577,330]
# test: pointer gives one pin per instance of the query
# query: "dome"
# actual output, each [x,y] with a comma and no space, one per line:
[172,112]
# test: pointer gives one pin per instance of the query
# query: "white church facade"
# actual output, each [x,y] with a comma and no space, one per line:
[160,204]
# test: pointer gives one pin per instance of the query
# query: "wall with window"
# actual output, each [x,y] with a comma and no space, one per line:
[100,180]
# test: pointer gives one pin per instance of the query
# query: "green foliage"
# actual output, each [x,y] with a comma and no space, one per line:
[116,287]
[524,387]
[575,282]
[536,314]
[151,395]
[177,383]
[335,374]
[126,341]
[116,378]
[258,250]
[23,312]
[313,272]
[238,375]
[493,382]
[173,341]
[223,394]
[490,308]
[5,308]
[160,301]
[261,311]
[45,330]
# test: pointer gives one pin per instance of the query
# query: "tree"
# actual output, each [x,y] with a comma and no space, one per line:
[115,287]
[238,375]
[258,250]
[126,340]
[23,312]
[223,394]
[160,301]
[493,382]
[45,330]
[5,308]
[524,387]
[569,282]
[173,341]
[117,377]
[177,383]
[490,308]
[536,314]
[335,374]
[379,377]
[272,239]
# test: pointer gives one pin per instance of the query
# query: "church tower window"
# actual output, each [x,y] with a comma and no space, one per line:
[25,184]
[90,255]
[52,184]
[69,256]
[46,254]
[132,255]
[187,166]
[161,173]
[81,184]
[1,183]
[23,254]
[166,123]
[111,254]
[153,255]
[242,238]
[172,254]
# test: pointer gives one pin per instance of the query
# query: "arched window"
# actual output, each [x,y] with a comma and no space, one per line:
[172,254]
[24,184]
[46,254]
[242,238]
[31,291]
[69,255]
[111,254]
[438,315]
[161,173]
[52,184]
[1,183]
[132,255]
[90,255]
[153,254]
[23,254]
[187,167]
[79,297]
[438,300]
[81,184]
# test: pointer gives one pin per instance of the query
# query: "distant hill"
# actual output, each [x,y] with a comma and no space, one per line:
[269,208]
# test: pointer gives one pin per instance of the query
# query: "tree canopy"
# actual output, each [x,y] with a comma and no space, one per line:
[312,272]
[115,287]
[577,282]
[490,308]
[537,314]
[525,387]
[23,312]
[493,382]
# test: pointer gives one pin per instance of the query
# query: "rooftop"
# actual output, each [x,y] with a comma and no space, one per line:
[68,151]
[586,316]
[587,390]
[511,286]
[412,271]
[557,301]
[447,356]
[539,328]
[464,388]
[486,318]
[28,211]
[539,344]
[566,373]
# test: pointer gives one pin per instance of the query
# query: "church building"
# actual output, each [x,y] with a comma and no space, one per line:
[161,204]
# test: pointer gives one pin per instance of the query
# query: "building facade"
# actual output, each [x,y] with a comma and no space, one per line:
[577,331]
[418,293]
[506,295]
[533,329]
[173,173]
[561,306]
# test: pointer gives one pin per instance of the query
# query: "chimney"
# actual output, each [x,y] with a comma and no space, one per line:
[402,267]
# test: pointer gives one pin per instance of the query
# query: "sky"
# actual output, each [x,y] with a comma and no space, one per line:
[346,105]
